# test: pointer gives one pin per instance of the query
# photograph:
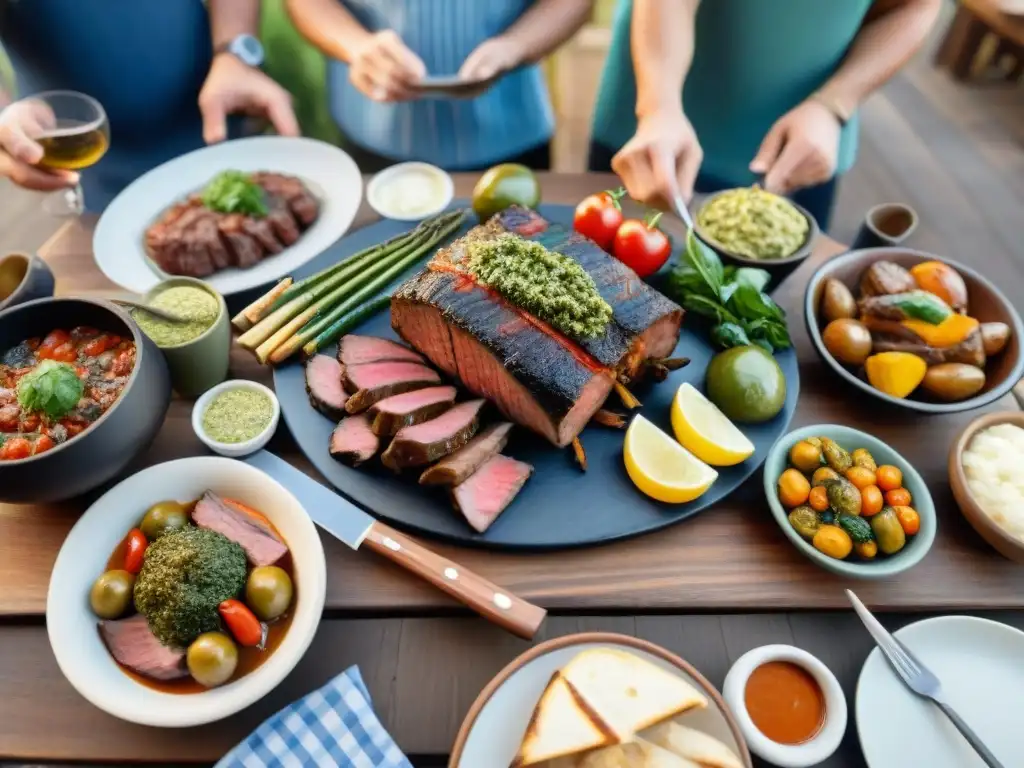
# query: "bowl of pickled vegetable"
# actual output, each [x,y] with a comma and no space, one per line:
[849,502]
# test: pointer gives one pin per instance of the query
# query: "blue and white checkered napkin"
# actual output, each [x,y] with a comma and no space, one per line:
[332,726]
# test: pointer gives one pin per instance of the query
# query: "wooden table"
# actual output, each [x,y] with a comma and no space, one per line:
[701,588]
[974,20]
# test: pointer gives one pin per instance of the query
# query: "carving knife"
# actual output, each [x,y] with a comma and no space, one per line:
[348,523]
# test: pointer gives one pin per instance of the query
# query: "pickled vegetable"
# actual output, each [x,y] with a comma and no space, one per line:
[111,594]
[836,456]
[888,532]
[804,521]
[862,458]
[805,456]
[793,488]
[860,477]
[818,498]
[843,496]
[847,340]
[898,497]
[268,591]
[871,501]
[833,541]
[889,477]
[837,301]
[866,549]
[821,474]
[910,521]
[212,658]
[162,517]
[858,528]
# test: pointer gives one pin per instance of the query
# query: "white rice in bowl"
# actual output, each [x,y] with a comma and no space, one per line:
[994,465]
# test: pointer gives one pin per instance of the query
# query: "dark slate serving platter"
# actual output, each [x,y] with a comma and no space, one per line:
[560,506]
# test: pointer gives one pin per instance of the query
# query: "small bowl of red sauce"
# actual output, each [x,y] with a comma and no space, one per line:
[789,706]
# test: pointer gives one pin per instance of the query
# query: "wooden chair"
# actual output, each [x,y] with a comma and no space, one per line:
[975,21]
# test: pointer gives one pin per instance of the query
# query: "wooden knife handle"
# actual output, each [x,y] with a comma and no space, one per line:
[493,603]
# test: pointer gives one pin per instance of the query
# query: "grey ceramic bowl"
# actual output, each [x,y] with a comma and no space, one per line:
[118,436]
[201,363]
[985,302]
[882,566]
[23,277]
[778,268]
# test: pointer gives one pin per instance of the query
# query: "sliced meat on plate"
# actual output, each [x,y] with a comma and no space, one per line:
[454,469]
[486,493]
[323,385]
[261,544]
[424,443]
[393,413]
[132,644]
[352,441]
[354,349]
[370,383]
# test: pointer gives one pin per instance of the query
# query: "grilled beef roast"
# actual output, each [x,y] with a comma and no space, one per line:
[370,383]
[354,349]
[261,543]
[536,377]
[353,441]
[485,494]
[190,239]
[393,413]
[133,645]
[323,385]
[424,443]
[454,469]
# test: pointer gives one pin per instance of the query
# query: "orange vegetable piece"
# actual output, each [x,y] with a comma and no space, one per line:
[242,622]
[818,498]
[898,497]
[910,521]
[871,501]
[942,280]
[135,551]
[793,488]
[860,477]
[889,477]
[949,332]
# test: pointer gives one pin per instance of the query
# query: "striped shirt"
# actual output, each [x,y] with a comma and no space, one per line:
[513,116]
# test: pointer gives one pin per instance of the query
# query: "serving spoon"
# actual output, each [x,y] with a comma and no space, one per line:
[163,314]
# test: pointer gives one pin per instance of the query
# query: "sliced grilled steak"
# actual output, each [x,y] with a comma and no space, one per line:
[393,413]
[456,468]
[299,199]
[354,350]
[261,544]
[323,385]
[427,442]
[370,383]
[264,234]
[133,645]
[282,220]
[247,250]
[486,493]
[173,248]
[352,441]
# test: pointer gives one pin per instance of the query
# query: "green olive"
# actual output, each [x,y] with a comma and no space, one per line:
[888,532]
[268,591]
[111,594]
[212,659]
[162,517]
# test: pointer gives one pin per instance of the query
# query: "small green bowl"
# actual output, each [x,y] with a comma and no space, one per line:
[201,363]
[882,566]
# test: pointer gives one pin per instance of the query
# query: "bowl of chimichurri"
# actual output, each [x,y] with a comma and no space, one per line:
[236,418]
[751,227]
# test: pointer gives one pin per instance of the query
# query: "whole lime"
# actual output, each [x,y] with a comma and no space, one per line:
[746,384]
[504,185]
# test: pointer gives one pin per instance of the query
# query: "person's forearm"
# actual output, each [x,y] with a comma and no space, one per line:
[892,32]
[231,18]
[662,41]
[546,25]
[328,26]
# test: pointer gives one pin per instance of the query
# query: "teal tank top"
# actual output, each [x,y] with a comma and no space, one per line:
[754,60]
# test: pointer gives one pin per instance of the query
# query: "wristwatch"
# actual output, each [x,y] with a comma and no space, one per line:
[246,48]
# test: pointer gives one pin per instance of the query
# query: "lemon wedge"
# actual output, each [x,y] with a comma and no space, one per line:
[661,467]
[705,431]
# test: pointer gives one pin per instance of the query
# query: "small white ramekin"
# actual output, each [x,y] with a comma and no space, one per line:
[447,191]
[235,450]
[809,753]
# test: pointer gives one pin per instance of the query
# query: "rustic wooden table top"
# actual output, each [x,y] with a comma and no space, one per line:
[425,661]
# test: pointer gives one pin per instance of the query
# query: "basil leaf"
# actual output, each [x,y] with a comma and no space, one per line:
[685,280]
[778,335]
[754,277]
[701,305]
[751,303]
[726,335]
[727,291]
[763,344]
[705,262]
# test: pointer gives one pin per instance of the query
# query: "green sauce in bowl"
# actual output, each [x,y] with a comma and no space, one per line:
[200,310]
[753,223]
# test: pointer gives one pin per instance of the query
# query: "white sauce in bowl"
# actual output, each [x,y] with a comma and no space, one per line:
[994,466]
[410,191]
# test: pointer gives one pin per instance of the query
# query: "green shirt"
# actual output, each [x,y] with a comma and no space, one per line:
[754,60]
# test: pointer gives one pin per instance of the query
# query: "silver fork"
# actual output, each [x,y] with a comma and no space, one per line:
[917,677]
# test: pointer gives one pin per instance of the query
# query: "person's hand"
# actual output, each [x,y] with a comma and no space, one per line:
[233,87]
[800,150]
[384,68]
[490,59]
[19,152]
[661,160]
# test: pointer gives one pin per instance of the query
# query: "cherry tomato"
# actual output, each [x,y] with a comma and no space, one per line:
[242,623]
[97,346]
[641,246]
[135,551]
[16,448]
[910,521]
[599,217]
[898,497]
[43,443]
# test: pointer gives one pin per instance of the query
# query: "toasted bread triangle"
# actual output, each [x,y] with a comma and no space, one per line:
[706,751]
[635,754]
[560,725]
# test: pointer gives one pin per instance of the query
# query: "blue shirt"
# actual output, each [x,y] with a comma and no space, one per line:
[514,115]
[143,60]
[754,60]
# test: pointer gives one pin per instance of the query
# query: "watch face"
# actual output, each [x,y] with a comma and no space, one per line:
[248,49]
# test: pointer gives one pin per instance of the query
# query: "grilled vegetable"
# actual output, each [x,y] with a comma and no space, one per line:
[888,532]
[862,458]
[843,496]
[952,382]
[836,456]
[883,278]
[804,521]
[836,301]
[858,528]
[895,373]
[848,341]
[822,474]
[942,280]
[953,330]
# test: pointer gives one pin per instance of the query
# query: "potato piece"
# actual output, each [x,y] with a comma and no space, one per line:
[836,301]
[952,382]
[994,337]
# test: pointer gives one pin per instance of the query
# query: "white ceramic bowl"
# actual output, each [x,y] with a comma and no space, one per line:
[391,174]
[71,625]
[235,450]
[809,753]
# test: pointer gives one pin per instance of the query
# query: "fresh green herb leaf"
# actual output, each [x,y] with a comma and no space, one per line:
[705,307]
[764,344]
[705,262]
[727,291]
[726,335]
[234,192]
[754,277]
[751,303]
[52,388]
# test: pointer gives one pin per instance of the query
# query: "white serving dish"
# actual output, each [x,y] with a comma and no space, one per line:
[376,198]
[235,450]
[72,627]
[809,753]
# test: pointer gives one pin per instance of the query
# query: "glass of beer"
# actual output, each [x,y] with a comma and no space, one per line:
[73,131]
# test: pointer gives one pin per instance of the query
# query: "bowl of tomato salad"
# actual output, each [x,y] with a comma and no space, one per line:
[82,392]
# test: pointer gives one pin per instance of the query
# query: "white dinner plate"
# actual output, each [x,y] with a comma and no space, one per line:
[981,666]
[329,173]
[495,725]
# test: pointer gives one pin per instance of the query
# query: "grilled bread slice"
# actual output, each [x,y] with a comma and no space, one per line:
[636,754]
[696,746]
